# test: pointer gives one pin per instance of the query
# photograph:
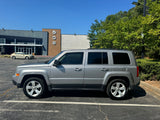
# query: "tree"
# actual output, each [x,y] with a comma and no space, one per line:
[152,21]
[95,29]
[124,30]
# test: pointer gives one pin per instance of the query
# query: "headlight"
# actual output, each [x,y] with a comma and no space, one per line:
[17,73]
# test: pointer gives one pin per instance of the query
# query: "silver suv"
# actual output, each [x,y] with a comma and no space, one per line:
[112,71]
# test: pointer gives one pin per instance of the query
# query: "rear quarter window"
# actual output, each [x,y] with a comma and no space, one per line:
[120,58]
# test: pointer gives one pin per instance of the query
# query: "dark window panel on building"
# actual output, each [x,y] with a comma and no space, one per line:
[23,41]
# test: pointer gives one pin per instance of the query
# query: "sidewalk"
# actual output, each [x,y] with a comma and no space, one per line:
[43,57]
[151,89]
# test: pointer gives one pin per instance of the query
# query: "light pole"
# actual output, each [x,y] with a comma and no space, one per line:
[144,8]
[144,14]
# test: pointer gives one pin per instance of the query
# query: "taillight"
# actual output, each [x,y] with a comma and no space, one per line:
[137,71]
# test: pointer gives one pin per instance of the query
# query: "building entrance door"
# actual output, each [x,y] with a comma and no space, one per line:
[20,49]
[28,50]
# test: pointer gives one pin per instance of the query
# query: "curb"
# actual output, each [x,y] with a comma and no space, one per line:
[43,57]
[153,91]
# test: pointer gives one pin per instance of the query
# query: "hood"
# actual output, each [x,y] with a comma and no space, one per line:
[33,65]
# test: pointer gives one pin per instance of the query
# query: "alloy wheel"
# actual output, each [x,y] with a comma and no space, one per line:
[34,88]
[118,89]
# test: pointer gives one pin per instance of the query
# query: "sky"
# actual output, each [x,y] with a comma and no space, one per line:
[71,16]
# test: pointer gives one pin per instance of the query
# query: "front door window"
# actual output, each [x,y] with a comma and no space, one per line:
[72,58]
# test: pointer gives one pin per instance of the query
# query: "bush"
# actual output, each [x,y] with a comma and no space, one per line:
[158,77]
[144,77]
[149,70]
[5,56]
[154,53]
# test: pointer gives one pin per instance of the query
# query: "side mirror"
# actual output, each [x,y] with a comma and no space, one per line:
[56,63]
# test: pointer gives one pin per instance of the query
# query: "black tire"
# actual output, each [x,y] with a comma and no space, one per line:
[31,90]
[26,57]
[115,92]
[13,57]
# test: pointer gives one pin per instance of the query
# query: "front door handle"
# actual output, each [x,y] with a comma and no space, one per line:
[104,69]
[78,69]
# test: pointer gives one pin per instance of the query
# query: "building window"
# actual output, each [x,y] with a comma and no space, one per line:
[2,40]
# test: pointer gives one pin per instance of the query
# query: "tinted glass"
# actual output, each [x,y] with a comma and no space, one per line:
[105,58]
[94,58]
[72,58]
[97,58]
[53,58]
[121,58]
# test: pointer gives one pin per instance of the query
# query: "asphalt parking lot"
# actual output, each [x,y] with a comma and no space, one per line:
[70,105]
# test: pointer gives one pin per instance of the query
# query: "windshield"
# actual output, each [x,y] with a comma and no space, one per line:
[49,61]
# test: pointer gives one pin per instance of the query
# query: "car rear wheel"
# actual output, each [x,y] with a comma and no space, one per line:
[13,57]
[117,89]
[34,87]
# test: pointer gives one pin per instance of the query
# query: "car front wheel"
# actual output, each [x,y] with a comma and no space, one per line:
[26,57]
[34,87]
[117,89]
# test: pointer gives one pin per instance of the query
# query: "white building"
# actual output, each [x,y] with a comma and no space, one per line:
[74,42]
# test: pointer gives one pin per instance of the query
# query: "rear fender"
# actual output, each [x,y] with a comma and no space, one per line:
[118,74]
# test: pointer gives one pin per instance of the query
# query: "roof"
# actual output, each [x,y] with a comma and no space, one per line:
[96,50]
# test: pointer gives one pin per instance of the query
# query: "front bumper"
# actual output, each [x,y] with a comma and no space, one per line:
[14,81]
[17,84]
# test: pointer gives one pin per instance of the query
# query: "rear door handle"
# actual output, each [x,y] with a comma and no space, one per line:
[78,69]
[104,69]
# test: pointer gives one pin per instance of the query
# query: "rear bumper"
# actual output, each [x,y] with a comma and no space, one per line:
[31,57]
[134,86]
[138,83]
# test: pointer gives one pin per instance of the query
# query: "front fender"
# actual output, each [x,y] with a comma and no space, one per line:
[34,72]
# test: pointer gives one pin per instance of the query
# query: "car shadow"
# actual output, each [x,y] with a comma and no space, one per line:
[136,93]
[76,93]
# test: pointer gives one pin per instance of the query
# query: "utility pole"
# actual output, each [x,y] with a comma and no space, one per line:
[144,14]
[144,8]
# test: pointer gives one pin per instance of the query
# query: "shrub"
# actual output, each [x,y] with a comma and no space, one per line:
[149,70]
[158,77]
[6,56]
[144,77]
[154,53]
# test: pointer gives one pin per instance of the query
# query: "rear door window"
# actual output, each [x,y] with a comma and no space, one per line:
[97,58]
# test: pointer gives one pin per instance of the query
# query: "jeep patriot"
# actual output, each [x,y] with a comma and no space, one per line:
[112,71]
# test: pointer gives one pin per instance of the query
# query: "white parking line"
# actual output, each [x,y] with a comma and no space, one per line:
[82,103]
[20,110]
